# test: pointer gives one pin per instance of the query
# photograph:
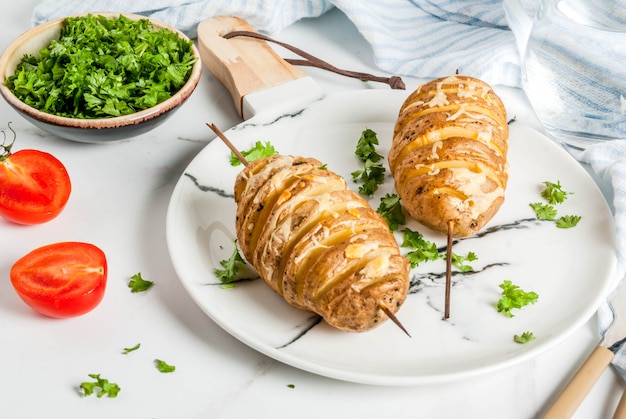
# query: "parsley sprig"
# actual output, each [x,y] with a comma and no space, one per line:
[373,172]
[524,337]
[423,250]
[231,266]
[258,151]
[390,208]
[554,193]
[101,387]
[513,297]
[138,284]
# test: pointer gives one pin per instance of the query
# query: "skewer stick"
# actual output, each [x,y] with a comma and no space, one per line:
[243,160]
[446,311]
[393,318]
[230,145]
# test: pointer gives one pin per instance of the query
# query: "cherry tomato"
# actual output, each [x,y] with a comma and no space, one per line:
[62,279]
[34,186]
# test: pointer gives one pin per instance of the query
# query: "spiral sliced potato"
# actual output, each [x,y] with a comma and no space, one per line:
[317,243]
[448,154]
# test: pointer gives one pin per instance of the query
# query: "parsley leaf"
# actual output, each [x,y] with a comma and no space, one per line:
[163,366]
[423,250]
[373,172]
[132,349]
[554,193]
[366,147]
[391,210]
[258,151]
[524,337]
[103,67]
[543,211]
[231,266]
[462,262]
[568,221]
[514,297]
[102,386]
[138,284]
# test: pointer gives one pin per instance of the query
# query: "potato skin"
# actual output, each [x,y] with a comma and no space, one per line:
[448,154]
[317,243]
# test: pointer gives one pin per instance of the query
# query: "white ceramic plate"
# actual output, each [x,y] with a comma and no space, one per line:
[570,269]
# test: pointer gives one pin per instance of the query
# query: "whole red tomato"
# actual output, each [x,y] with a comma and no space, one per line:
[62,279]
[34,186]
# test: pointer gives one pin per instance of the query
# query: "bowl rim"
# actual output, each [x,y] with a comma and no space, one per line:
[113,122]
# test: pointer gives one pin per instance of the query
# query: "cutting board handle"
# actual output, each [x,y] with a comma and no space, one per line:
[243,65]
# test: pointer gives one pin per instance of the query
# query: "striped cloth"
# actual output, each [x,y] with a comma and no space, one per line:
[421,38]
[409,37]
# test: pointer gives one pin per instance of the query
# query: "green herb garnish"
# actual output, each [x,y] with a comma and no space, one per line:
[514,297]
[462,262]
[103,67]
[372,175]
[543,211]
[231,266]
[423,250]
[132,349]
[554,193]
[258,151]
[524,337]
[102,386]
[373,172]
[391,210]
[568,221]
[163,366]
[138,284]
[366,147]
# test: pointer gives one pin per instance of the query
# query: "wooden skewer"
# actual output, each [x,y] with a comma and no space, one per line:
[230,145]
[446,310]
[245,162]
[393,318]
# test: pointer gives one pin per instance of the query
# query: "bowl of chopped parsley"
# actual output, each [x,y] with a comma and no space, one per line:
[99,77]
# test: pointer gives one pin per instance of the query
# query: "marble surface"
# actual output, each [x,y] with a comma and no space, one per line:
[119,201]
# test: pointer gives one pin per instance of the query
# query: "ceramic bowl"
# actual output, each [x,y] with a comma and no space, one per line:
[101,130]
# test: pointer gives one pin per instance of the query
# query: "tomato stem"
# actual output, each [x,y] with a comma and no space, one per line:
[5,149]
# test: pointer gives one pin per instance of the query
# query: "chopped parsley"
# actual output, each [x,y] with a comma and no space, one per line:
[231,266]
[138,284]
[258,151]
[524,337]
[390,209]
[163,366]
[462,262]
[423,250]
[568,221]
[132,349]
[543,211]
[101,387]
[513,297]
[103,67]
[373,172]
[554,193]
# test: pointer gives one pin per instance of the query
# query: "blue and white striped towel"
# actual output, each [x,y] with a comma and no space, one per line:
[422,38]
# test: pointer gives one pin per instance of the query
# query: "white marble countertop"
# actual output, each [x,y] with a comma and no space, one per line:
[119,201]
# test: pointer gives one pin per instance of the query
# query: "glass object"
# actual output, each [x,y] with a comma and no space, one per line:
[574,70]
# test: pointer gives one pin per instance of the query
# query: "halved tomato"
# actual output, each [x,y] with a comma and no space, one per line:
[62,279]
[34,186]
